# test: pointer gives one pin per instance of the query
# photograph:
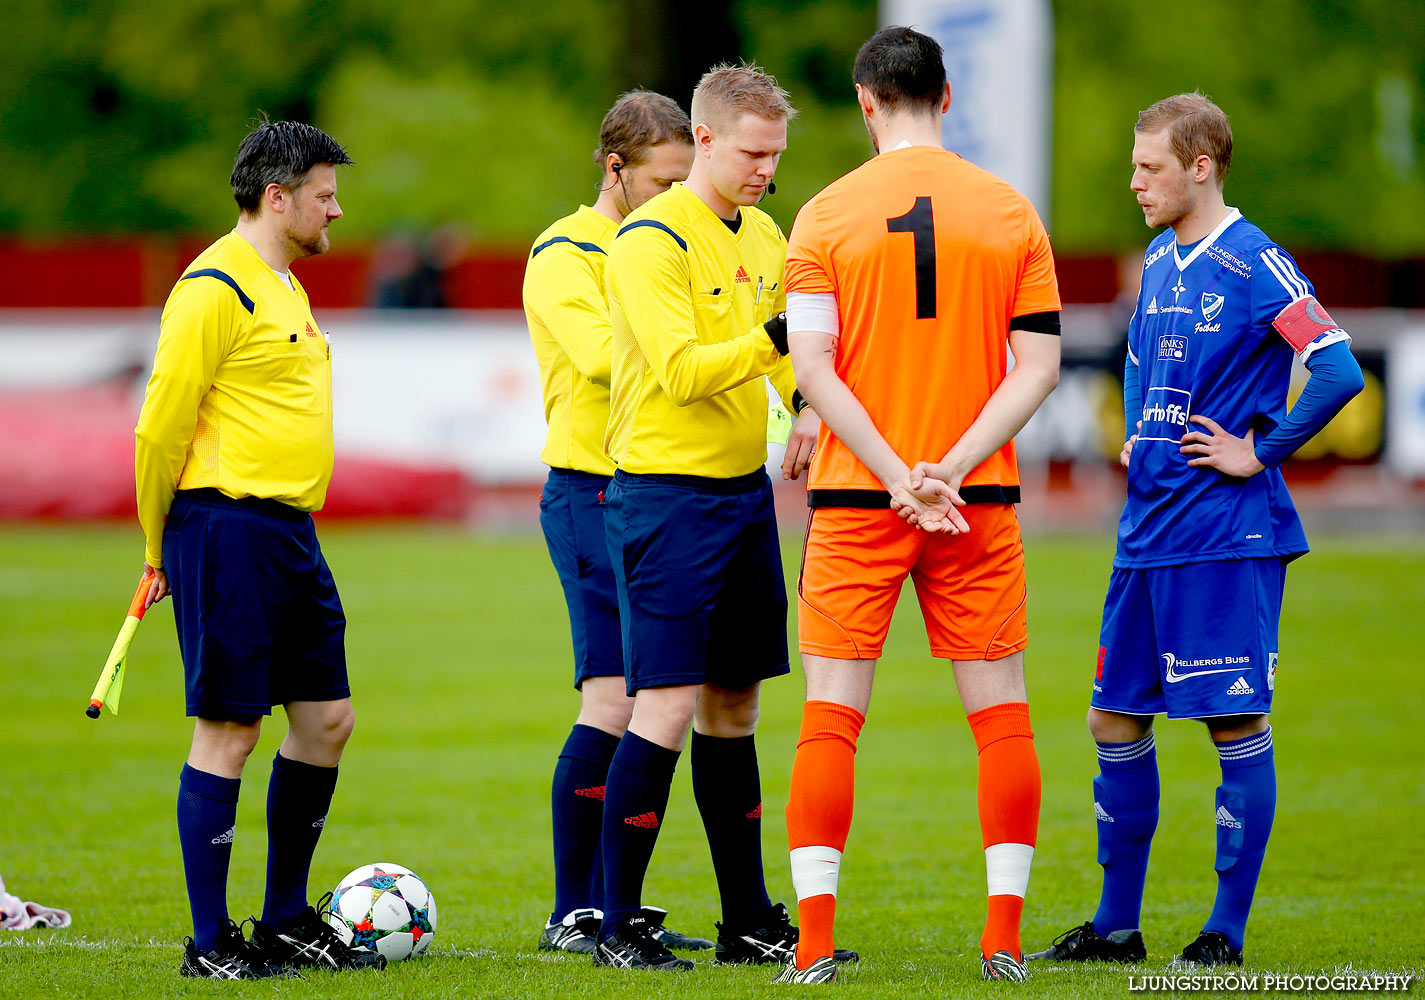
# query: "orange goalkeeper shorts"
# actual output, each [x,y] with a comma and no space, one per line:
[971,586]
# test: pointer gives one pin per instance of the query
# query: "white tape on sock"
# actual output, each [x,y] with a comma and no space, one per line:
[1007,869]
[815,871]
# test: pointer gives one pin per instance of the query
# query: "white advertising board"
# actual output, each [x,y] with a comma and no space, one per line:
[999,56]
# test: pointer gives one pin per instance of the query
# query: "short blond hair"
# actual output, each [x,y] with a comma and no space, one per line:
[727,92]
[1196,127]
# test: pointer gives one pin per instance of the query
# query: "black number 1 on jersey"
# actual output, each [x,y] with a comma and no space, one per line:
[920,223]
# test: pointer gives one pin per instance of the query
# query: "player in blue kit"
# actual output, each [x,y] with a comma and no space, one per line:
[1190,621]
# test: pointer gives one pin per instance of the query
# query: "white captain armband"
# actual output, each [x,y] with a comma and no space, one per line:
[1308,327]
[813,312]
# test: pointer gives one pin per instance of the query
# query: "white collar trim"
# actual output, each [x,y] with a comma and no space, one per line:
[907,144]
[1207,241]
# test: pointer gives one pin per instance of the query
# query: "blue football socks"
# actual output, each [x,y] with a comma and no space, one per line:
[635,799]
[1126,807]
[298,797]
[577,802]
[728,790]
[207,817]
[1246,806]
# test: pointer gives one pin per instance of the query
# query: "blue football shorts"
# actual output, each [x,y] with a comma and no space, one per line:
[1195,641]
[701,593]
[572,517]
[259,619]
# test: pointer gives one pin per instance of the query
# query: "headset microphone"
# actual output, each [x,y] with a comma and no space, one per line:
[771,187]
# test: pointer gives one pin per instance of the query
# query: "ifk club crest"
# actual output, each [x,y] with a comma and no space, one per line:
[1212,305]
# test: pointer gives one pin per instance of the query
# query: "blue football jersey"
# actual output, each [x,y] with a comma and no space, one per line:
[1203,341]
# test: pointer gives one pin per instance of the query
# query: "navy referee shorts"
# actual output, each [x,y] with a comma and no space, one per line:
[259,619]
[702,597]
[572,517]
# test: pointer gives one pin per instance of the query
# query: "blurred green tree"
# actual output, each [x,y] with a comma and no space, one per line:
[122,116]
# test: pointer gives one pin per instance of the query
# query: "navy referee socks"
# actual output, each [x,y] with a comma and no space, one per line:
[578,812]
[298,797]
[728,791]
[207,818]
[636,797]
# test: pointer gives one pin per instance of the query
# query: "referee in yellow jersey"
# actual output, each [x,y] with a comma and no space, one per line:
[645,144]
[695,289]
[233,453]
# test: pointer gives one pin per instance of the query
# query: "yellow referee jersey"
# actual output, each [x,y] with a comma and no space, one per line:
[568,318]
[687,300]
[240,398]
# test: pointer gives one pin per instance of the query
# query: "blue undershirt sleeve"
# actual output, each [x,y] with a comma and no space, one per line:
[1132,398]
[1335,379]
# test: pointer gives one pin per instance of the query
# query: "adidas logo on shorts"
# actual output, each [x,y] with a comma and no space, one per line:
[1240,686]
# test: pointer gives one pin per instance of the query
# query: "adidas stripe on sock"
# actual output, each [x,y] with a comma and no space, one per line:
[207,817]
[1243,814]
[1125,794]
[635,798]
[577,809]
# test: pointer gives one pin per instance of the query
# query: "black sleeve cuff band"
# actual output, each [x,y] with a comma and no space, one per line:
[1045,322]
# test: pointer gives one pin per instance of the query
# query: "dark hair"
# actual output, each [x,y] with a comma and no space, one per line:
[638,121]
[902,68]
[279,153]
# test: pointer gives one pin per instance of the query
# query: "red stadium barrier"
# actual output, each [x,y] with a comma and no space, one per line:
[369,488]
[134,272]
[71,458]
[63,275]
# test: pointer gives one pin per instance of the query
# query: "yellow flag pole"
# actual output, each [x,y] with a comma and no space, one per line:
[111,678]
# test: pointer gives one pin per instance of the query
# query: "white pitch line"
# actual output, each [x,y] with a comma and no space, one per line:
[57,941]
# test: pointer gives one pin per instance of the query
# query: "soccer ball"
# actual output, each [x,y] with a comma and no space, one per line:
[384,908]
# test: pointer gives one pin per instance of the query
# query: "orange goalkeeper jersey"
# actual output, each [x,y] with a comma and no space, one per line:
[931,260]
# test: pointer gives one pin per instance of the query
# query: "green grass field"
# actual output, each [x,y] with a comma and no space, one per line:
[459,655]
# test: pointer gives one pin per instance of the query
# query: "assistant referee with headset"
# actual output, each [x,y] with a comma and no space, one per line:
[233,453]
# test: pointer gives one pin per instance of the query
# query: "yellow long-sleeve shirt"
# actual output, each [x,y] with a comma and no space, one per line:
[568,316]
[687,300]
[240,396]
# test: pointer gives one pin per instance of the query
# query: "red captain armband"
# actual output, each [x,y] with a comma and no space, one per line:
[1302,322]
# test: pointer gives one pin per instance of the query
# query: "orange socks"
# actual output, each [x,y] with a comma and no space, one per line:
[823,793]
[819,818]
[1009,816]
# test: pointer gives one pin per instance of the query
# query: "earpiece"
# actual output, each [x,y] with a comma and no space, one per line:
[617,167]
